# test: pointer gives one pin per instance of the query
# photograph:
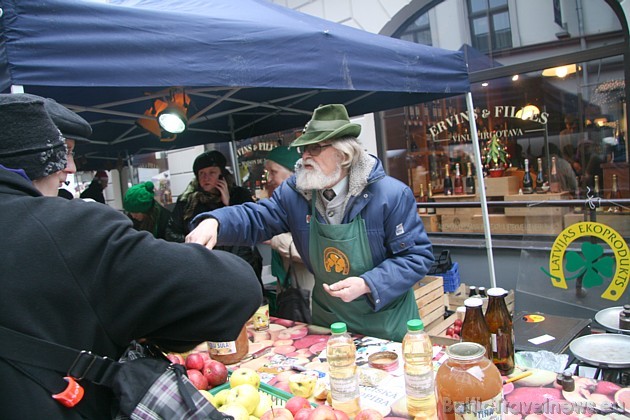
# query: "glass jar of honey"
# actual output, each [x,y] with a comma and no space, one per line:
[229,352]
[468,384]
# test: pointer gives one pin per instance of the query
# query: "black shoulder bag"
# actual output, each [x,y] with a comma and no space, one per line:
[146,384]
[293,301]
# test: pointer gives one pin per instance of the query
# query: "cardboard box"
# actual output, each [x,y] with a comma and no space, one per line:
[501,186]
[431,222]
[441,198]
[537,210]
[457,298]
[543,225]
[429,293]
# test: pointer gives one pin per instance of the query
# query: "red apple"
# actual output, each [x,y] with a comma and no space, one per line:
[205,356]
[368,414]
[215,372]
[176,358]
[323,412]
[294,404]
[194,361]
[277,413]
[340,415]
[303,413]
[197,378]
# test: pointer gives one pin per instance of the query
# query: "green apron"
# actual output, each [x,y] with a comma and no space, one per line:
[341,251]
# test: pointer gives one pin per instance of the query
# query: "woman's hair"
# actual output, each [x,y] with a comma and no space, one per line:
[350,148]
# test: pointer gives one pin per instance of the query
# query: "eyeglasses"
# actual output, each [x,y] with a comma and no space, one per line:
[312,149]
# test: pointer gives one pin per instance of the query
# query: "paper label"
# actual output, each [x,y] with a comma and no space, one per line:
[221,348]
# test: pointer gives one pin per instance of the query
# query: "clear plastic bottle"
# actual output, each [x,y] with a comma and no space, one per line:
[419,377]
[344,376]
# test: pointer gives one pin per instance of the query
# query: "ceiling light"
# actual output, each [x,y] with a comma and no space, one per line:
[515,78]
[484,84]
[528,112]
[167,117]
[560,71]
[172,120]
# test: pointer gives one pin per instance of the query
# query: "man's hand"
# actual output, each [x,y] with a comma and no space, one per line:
[205,233]
[347,289]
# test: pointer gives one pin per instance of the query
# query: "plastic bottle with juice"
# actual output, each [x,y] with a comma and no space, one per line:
[342,369]
[419,377]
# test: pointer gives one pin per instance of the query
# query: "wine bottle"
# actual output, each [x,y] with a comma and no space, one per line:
[448,183]
[423,199]
[554,180]
[430,199]
[470,181]
[528,184]
[458,184]
[541,182]
[615,195]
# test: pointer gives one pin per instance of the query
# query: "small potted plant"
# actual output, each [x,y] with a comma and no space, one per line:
[495,157]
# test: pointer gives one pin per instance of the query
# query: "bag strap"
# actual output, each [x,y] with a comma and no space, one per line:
[292,279]
[77,364]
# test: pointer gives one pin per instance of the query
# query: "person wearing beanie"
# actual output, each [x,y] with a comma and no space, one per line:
[146,213]
[286,262]
[79,275]
[212,188]
[94,191]
[356,228]
[74,128]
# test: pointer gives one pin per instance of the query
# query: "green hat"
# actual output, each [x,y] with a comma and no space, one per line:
[285,156]
[139,198]
[328,122]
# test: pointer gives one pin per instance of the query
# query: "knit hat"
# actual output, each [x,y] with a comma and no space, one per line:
[29,139]
[70,124]
[139,198]
[210,158]
[285,156]
[328,122]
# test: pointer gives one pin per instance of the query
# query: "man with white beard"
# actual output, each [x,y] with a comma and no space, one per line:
[356,229]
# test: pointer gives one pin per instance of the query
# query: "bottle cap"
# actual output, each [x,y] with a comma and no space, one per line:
[415,325]
[496,291]
[473,302]
[338,327]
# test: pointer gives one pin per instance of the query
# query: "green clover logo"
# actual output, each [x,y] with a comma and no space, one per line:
[593,268]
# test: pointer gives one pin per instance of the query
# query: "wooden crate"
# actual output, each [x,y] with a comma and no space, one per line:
[441,198]
[543,225]
[438,327]
[431,222]
[504,185]
[537,210]
[458,297]
[429,293]
[617,221]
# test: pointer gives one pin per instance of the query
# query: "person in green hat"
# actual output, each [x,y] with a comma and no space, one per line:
[147,214]
[286,262]
[356,229]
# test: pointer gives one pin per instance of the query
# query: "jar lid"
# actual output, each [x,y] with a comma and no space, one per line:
[496,291]
[465,351]
[473,302]
[384,360]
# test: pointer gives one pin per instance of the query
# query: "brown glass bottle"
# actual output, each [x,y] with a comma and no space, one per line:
[474,328]
[554,179]
[422,199]
[499,322]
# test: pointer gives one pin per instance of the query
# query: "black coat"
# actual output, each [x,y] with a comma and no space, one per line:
[78,274]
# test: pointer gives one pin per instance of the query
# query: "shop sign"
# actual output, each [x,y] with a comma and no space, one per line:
[498,111]
[591,264]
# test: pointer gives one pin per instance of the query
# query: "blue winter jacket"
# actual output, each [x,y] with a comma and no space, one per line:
[401,251]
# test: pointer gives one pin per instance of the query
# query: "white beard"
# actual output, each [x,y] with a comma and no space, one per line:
[314,179]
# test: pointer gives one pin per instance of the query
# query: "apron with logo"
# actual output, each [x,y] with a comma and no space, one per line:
[341,251]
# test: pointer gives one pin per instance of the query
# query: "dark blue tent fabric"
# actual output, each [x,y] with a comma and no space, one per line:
[249,66]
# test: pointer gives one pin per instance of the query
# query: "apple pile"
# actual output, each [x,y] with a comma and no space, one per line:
[204,372]
[455,330]
[299,408]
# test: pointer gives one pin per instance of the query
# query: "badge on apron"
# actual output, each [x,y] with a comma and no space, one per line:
[336,260]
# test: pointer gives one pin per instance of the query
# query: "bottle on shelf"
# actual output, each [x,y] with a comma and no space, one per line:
[482,292]
[419,378]
[472,291]
[541,182]
[470,180]
[596,193]
[615,194]
[554,180]
[528,184]
[423,199]
[343,373]
[459,391]
[624,318]
[474,328]
[458,184]
[499,322]
[430,199]
[448,183]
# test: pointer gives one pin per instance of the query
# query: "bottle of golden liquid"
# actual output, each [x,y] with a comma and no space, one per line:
[499,322]
[419,383]
[342,367]
[474,328]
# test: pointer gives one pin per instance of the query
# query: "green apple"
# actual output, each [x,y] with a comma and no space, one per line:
[302,385]
[208,396]
[235,410]
[220,397]
[263,406]
[246,395]
[244,376]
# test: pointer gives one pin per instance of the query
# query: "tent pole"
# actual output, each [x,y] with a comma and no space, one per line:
[482,186]
[233,158]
